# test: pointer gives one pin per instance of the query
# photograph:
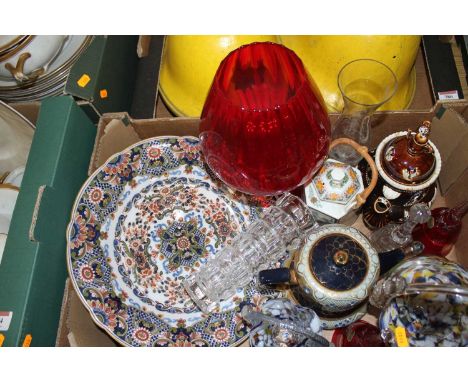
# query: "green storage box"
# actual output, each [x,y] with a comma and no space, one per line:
[33,269]
[103,78]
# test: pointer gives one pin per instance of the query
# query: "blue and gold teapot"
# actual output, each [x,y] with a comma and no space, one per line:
[333,273]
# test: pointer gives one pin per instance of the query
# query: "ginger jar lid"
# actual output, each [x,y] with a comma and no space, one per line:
[334,189]
[409,159]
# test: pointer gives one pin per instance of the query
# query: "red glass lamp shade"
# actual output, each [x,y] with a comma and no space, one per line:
[264,126]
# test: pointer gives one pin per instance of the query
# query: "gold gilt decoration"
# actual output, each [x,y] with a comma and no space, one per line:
[18,70]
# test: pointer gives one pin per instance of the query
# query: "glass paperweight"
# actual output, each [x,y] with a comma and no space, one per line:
[424,302]
[261,245]
[282,323]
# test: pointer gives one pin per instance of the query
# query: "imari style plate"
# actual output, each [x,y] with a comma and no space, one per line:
[141,224]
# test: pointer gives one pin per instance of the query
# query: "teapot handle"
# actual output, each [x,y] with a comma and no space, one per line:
[277,276]
[363,151]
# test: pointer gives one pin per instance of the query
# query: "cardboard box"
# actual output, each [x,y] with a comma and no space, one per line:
[103,78]
[117,131]
[33,269]
[147,80]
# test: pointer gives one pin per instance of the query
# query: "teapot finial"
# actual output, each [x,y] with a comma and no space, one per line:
[422,135]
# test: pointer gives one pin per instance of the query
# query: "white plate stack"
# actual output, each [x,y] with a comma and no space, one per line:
[36,67]
[16,134]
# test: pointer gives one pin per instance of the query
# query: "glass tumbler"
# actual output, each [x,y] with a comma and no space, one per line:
[262,244]
[365,85]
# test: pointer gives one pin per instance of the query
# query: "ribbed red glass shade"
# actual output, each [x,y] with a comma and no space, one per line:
[264,126]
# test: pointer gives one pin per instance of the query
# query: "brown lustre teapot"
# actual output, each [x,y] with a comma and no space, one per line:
[408,164]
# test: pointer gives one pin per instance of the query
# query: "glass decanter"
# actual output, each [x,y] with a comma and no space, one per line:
[441,232]
[365,85]
[261,245]
[394,235]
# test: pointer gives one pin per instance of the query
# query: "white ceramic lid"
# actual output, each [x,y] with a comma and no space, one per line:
[72,45]
[334,189]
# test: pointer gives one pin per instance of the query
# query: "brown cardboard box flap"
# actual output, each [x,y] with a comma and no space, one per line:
[117,131]
[117,135]
[82,329]
[450,135]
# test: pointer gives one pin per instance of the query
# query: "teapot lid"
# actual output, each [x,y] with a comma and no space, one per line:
[409,159]
[339,261]
[338,258]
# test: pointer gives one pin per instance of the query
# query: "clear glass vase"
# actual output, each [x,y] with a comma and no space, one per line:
[262,244]
[365,85]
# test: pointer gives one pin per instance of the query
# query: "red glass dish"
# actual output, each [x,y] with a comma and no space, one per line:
[264,126]
[358,334]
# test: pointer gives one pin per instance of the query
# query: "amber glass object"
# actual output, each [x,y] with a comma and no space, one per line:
[264,126]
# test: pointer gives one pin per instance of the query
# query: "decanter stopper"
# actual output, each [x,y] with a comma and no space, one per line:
[422,134]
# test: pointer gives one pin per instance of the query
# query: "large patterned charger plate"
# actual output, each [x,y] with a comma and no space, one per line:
[144,221]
